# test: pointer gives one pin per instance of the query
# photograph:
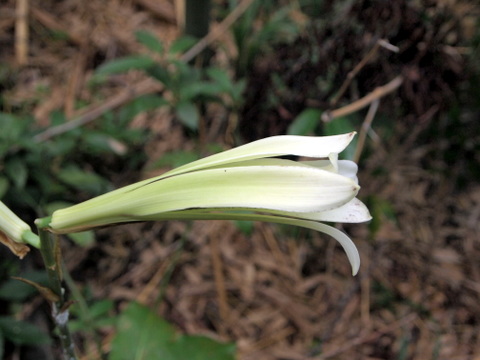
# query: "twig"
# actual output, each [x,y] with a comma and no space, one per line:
[376,94]
[54,24]
[21,32]
[217,32]
[365,128]
[162,9]
[351,75]
[146,86]
[219,280]
[143,87]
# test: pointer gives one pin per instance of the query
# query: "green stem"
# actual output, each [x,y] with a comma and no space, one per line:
[51,257]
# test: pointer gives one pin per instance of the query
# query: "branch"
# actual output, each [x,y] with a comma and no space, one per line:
[376,94]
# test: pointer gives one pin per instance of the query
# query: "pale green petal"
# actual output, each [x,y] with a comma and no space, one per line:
[283,145]
[315,147]
[281,188]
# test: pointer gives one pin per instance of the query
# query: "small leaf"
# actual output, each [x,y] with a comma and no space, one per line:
[17,172]
[221,77]
[188,115]
[139,105]
[202,348]
[101,308]
[4,185]
[161,74]
[182,44]
[175,159]
[305,123]
[135,62]
[199,88]
[21,332]
[46,292]
[245,226]
[57,118]
[82,180]
[142,335]
[83,239]
[149,40]
[14,290]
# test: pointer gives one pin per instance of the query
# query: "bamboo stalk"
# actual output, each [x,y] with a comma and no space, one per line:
[21,32]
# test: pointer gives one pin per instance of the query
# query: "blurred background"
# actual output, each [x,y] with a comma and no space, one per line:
[98,94]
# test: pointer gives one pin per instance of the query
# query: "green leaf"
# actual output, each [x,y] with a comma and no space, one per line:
[144,335]
[12,129]
[139,105]
[175,159]
[83,239]
[16,290]
[134,62]
[4,185]
[94,317]
[62,145]
[181,45]
[100,143]
[50,208]
[82,180]
[221,77]
[101,308]
[305,123]
[21,332]
[245,226]
[17,171]
[149,40]
[57,118]
[201,348]
[188,115]
[161,74]
[198,89]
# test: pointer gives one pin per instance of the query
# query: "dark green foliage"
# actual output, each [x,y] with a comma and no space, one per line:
[144,335]
[190,86]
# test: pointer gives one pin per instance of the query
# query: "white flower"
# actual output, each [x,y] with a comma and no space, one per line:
[247,183]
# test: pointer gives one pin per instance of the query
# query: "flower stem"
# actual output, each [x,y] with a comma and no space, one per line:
[50,250]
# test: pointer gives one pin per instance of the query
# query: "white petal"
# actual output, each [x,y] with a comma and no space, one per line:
[343,167]
[318,147]
[352,212]
[346,243]
[349,169]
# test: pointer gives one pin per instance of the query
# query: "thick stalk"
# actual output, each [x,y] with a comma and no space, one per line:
[51,256]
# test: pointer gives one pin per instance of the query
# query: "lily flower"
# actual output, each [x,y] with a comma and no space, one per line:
[15,233]
[249,182]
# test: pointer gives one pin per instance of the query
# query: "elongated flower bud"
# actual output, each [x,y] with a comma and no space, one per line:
[242,183]
[14,232]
